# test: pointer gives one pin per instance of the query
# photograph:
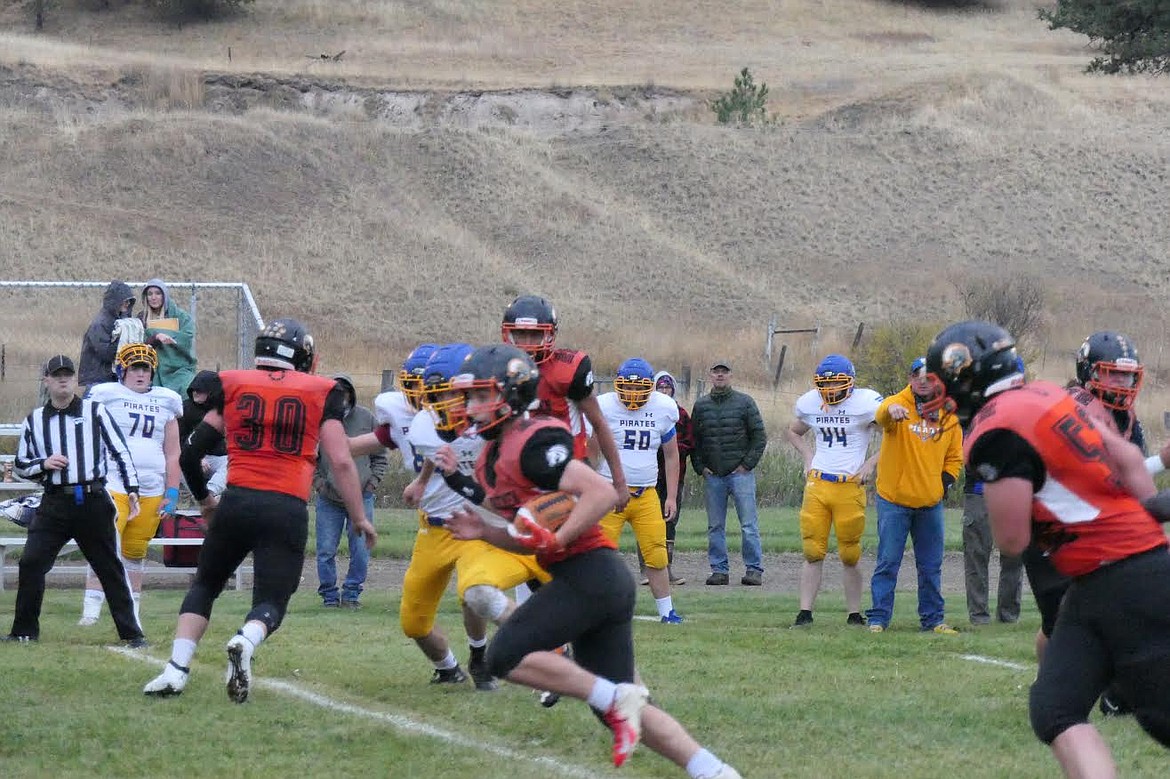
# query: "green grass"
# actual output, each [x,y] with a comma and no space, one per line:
[826,702]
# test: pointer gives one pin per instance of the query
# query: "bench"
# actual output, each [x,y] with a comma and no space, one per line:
[18,542]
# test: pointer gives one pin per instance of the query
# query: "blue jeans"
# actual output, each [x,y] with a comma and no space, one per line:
[925,527]
[741,487]
[331,519]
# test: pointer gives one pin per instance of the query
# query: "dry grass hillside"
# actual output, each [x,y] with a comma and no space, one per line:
[462,152]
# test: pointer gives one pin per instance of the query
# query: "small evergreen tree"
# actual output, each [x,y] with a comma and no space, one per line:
[744,104]
[1133,35]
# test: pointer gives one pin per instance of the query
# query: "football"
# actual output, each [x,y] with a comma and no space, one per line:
[549,510]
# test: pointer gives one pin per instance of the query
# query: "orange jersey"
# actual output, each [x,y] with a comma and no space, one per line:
[1082,516]
[566,378]
[500,473]
[272,423]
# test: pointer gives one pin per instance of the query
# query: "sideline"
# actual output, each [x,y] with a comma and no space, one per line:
[995,661]
[399,722]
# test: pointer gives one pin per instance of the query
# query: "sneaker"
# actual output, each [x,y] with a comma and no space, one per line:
[351,604]
[171,681]
[672,618]
[677,581]
[19,639]
[1111,706]
[717,577]
[854,618]
[645,580]
[624,718]
[752,578]
[804,618]
[726,772]
[448,676]
[332,604]
[484,681]
[877,628]
[239,670]
[943,629]
[87,622]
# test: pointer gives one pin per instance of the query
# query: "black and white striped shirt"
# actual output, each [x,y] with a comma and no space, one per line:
[83,431]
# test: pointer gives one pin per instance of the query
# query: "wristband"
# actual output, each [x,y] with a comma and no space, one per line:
[170,501]
[1154,464]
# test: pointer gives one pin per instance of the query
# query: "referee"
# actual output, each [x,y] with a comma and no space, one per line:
[64,445]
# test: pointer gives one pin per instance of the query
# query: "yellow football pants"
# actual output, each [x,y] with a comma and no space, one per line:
[136,533]
[827,504]
[644,513]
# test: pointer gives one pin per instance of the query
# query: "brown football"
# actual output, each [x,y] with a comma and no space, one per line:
[550,510]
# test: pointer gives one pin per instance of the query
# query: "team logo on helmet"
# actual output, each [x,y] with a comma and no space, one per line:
[955,358]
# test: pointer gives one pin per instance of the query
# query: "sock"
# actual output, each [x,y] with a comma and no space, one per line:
[703,763]
[91,604]
[448,662]
[477,643]
[665,605]
[254,632]
[601,696]
[137,598]
[523,593]
[182,652]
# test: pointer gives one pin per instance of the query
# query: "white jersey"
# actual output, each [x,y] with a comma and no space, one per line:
[638,435]
[439,500]
[393,409]
[142,417]
[842,431]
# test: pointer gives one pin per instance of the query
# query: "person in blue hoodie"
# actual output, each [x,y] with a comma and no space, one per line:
[171,331]
[99,346]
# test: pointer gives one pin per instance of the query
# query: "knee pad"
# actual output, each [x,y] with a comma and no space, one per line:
[416,625]
[814,550]
[850,554]
[486,601]
[270,615]
[133,564]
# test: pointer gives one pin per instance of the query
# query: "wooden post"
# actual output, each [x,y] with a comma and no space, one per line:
[857,337]
[39,6]
[686,381]
[388,377]
[779,365]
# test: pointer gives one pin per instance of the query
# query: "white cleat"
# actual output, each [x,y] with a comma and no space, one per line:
[624,718]
[726,772]
[239,670]
[170,682]
[87,622]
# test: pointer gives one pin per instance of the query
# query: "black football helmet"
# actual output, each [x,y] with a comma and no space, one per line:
[531,313]
[964,362]
[506,370]
[1109,367]
[285,344]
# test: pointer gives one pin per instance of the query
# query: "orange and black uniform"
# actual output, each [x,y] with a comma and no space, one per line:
[1113,625]
[566,378]
[590,601]
[272,421]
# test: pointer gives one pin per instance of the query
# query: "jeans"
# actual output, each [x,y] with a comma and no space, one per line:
[925,527]
[331,518]
[742,489]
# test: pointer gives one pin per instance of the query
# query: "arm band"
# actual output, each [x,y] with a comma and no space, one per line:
[1155,465]
[466,486]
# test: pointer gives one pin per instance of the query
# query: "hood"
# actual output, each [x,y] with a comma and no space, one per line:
[204,381]
[117,293]
[166,294]
[669,377]
[347,383]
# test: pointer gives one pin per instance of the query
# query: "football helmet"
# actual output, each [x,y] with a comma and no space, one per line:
[410,375]
[1109,367]
[834,379]
[634,383]
[451,411]
[287,345]
[526,314]
[510,374]
[136,354]
[966,364]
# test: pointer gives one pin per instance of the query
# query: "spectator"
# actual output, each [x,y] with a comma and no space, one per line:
[99,347]
[170,330]
[664,383]
[197,404]
[919,459]
[729,441]
[331,514]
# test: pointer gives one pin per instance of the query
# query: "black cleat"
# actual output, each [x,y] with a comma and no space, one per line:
[855,618]
[449,676]
[484,681]
[803,619]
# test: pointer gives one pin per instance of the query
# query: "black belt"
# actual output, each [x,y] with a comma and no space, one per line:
[68,489]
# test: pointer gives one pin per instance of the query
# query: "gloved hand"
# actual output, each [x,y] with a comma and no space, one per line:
[170,502]
[532,535]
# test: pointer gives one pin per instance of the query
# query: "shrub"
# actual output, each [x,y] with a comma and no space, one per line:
[883,359]
[1015,303]
[745,104]
[197,9]
[1133,36]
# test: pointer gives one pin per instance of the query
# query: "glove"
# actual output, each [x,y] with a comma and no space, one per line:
[170,502]
[536,537]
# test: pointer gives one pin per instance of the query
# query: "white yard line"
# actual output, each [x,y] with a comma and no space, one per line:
[996,661]
[399,722]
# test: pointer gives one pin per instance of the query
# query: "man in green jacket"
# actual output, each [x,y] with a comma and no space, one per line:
[729,441]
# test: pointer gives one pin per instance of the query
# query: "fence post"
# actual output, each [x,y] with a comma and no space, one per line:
[387,380]
[686,381]
[857,337]
[779,365]
[768,341]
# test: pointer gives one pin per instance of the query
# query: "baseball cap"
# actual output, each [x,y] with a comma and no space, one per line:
[59,362]
[919,364]
[720,364]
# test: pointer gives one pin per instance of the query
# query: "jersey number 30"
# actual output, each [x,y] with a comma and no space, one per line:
[287,431]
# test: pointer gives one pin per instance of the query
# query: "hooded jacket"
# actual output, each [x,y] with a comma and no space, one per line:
[682,434]
[98,347]
[193,413]
[176,362]
[371,467]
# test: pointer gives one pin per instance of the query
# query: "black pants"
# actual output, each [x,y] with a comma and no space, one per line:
[91,524]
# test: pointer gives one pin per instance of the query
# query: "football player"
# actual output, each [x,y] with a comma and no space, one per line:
[642,421]
[148,418]
[1073,489]
[274,418]
[836,468]
[590,598]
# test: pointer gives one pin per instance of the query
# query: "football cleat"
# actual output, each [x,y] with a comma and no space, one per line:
[548,698]
[448,676]
[673,618]
[855,618]
[86,622]
[239,670]
[171,681]
[726,772]
[803,619]
[484,681]
[624,718]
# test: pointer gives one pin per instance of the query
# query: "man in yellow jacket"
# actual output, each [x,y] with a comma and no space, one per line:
[919,460]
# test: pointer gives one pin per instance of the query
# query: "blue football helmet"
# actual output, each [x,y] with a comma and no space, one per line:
[410,376]
[439,394]
[634,383]
[834,379]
